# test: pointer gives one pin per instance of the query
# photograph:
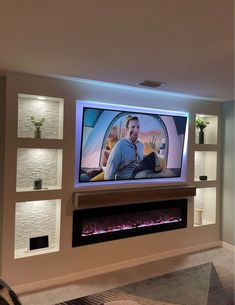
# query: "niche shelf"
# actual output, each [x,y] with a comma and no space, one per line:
[205,164]
[38,163]
[205,206]
[50,108]
[211,131]
[36,219]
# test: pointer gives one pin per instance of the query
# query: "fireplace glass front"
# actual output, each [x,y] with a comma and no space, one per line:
[114,222]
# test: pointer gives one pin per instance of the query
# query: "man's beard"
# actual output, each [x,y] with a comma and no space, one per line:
[133,137]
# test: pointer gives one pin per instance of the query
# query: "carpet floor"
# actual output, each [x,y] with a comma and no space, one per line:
[198,285]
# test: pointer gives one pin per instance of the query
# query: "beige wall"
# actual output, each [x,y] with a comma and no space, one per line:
[228,174]
[2,137]
[72,260]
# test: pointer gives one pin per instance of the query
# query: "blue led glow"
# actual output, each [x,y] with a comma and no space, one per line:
[134,109]
[135,88]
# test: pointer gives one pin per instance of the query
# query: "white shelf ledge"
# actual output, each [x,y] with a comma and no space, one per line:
[20,253]
[205,222]
[31,189]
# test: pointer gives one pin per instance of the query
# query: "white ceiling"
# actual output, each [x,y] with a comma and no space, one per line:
[189,44]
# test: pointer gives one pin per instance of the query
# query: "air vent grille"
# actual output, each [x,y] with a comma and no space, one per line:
[151,83]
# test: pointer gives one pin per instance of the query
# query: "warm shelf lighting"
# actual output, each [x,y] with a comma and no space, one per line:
[41,98]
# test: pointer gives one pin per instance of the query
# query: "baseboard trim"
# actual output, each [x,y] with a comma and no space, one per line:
[228,246]
[68,278]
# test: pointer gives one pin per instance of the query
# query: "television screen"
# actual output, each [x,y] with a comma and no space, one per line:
[120,144]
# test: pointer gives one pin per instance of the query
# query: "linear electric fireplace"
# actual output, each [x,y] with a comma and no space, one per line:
[101,224]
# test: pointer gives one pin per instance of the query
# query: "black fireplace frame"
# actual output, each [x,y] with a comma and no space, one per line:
[80,214]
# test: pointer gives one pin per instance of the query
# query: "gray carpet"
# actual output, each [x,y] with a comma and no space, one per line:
[198,285]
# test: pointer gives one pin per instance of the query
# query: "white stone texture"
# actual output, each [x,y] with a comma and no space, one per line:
[33,163]
[211,130]
[36,218]
[199,164]
[50,110]
[206,200]
[196,135]
[199,199]
[205,164]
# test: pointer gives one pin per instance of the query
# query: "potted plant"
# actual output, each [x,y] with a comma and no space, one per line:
[37,123]
[201,125]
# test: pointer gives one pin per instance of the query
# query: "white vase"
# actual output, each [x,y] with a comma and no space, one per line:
[198,216]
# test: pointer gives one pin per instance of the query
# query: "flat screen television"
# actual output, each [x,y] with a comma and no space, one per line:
[117,144]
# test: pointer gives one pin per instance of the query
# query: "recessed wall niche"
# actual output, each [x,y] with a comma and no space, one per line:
[205,206]
[211,130]
[35,219]
[34,164]
[49,108]
[205,165]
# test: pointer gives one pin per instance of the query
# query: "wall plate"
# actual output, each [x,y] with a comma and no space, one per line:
[39,242]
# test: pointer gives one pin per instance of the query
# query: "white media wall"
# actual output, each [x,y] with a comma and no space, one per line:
[65,260]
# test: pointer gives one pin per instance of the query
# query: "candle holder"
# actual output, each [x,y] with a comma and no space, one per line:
[37,184]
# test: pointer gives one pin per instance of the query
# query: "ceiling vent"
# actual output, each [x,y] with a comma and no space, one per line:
[151,84]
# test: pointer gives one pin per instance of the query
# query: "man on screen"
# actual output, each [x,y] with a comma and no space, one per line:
[127,154]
